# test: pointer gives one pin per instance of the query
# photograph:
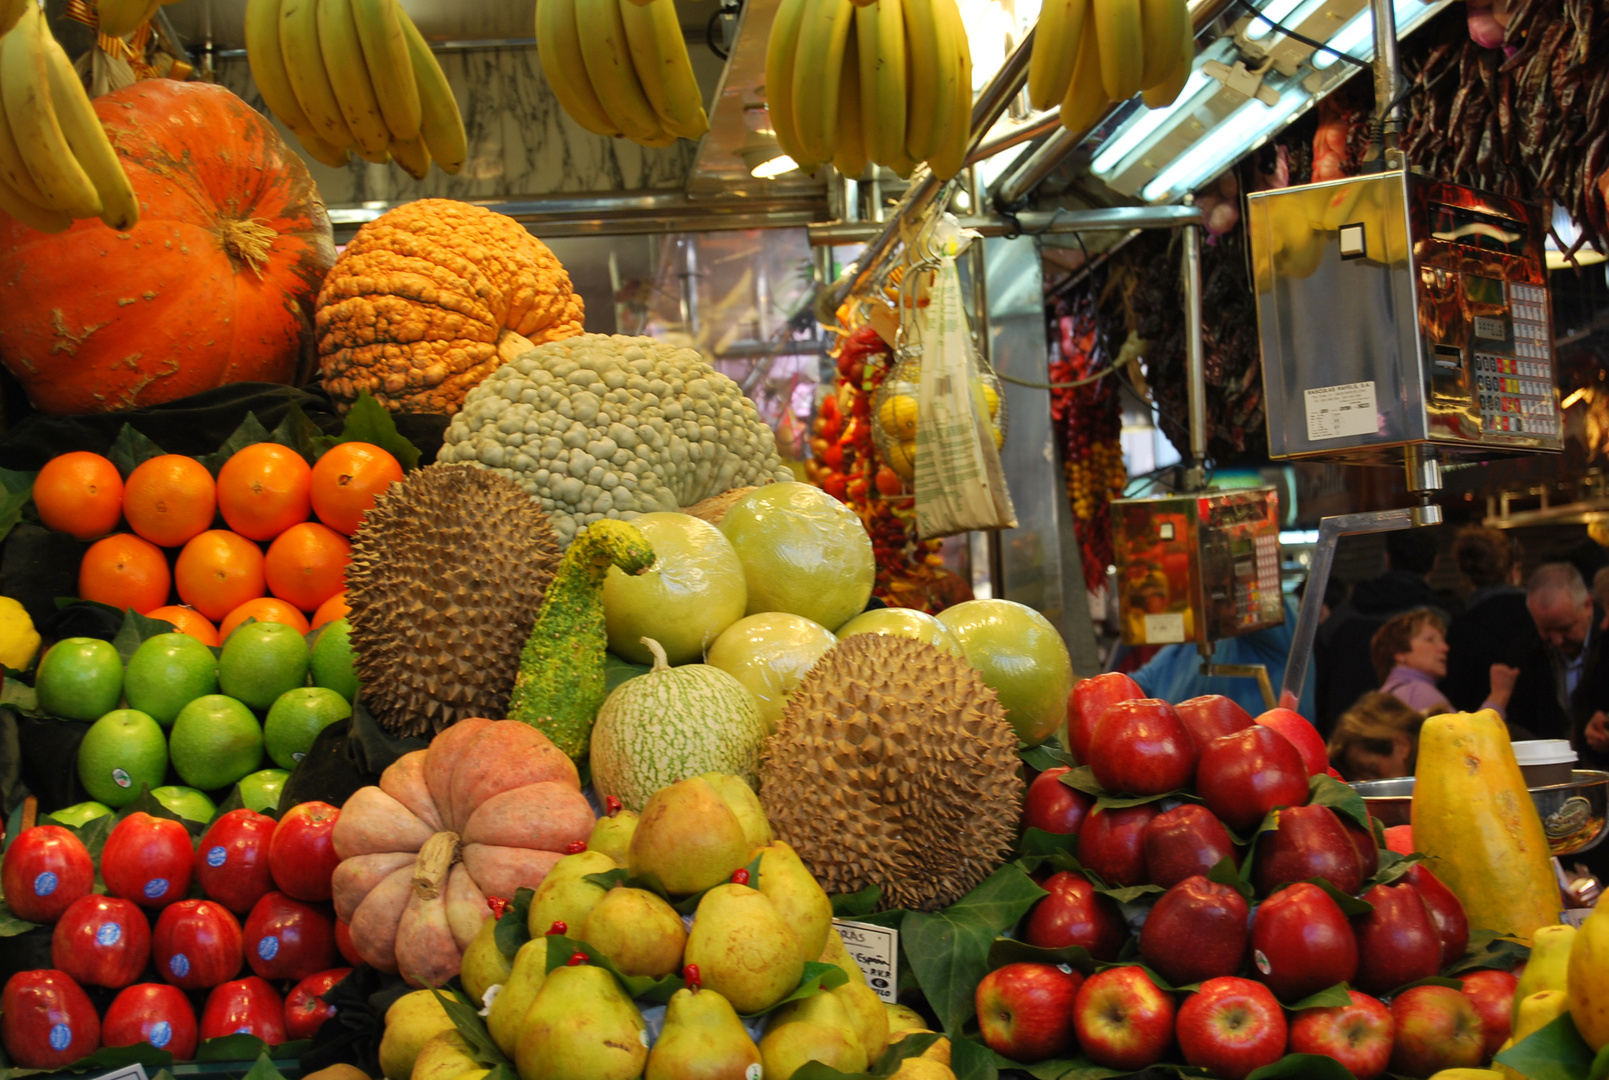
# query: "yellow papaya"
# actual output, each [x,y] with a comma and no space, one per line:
[1549,965]
[1588,979]
[1472,811]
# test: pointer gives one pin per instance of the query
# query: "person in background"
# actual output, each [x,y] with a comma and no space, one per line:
[1410,653]
[1341,647]
[1600,588]
[1567,651]
[1174,673]
[1485,632]
[1376,739]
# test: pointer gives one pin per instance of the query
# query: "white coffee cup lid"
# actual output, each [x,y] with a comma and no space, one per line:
[1544,752]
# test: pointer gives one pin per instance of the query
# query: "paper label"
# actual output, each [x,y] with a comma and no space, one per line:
[876,950]
[1335,412]
[1164,629]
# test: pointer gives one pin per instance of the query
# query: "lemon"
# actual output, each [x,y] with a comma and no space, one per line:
[168,672]
[122,752]
[215,741]
[18,638]
[902,459]
[260,791]
[80,678]
[261,661]
[296,718]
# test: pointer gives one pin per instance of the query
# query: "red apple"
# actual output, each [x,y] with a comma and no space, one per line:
[1232,1027]
[287,939]
[343,942]
[101,941]
[1210,716]
[1142,747]
[1397,941]
[1357,1035]
[301,854]
[1241,777]
[197,944]
[1112,843]
[305,1010]
[1492,993]
[45,869]
[1053,806]
[154,1013]
[232,859]
[1075,914]
[1307,842]
[46,1020]
[1123,1020]
[246,1006]
[1195,931]
[1437,1028]
[1363,843]
[1303,735]
[1089,701]
[1399,838]
[148,860]
[1025,1011]
[1302,943]
[1446,911]
[1183,842]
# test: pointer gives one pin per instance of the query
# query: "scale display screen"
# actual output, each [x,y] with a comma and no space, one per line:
[1460,225]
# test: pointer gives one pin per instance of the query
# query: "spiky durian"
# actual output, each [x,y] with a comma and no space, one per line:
[447,573]
[893,765]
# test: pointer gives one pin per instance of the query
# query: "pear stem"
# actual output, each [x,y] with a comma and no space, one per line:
[436,859]
[660,661]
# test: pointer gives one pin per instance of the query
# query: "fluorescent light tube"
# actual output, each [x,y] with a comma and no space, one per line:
[1140,127]
[1239,132]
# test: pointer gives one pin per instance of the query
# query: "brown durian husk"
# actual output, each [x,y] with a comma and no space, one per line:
[447,573]
[894,765]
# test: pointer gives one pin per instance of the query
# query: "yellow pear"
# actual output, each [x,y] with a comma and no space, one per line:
[340,1071]
[815,1029]
[410,1023]
[688,839]
[1589,979]
[611,836]
[745,804]
[445,1055]
[867,1013]
[637,931]
[581,1026]
[838,956]
[903,1018]
[506,1018]
[484,965]
[565,896]
[703,1039]
[921,1068]
[745,950]
[1549,966]
[803,902]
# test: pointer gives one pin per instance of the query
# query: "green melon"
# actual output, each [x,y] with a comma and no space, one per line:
[673,723]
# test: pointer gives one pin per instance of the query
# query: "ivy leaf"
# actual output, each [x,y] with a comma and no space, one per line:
[1325,790]
[971,1060]
[115,1057]
[562,948]
[249,433]
[472,1028]
[1269,823]
[816,978]
[1224,873]
[1556,1052]
[16,492]
[16,694]
[1005,951]
[1082,778]
[11,925]
[1303,1067]
[238,1047]
[135,631]
[1489,949]
[1600,1065]
[1392,867]
[1047,755]
[263,1069]
[948,951]
[296,432]
[1433,980]
[1128,894]
[131,449]
[512,930]
[1350,906]
[369,421]
[1329,998]
[1037,843]
[854,905]
[608,879]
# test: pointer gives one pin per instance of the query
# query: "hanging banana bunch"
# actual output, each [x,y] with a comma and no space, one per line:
[884,81]
[120,18]
[1089,54]
[355,75]
[56,163]
[620,67]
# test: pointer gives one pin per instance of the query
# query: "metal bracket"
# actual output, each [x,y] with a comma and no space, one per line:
[1242,81]
[1245,671]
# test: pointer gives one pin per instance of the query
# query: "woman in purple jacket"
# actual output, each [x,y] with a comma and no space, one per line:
[1410,654]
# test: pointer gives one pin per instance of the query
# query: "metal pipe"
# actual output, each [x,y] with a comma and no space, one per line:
[1036,222]
[1195,361]
[1388,111]
[1032,128]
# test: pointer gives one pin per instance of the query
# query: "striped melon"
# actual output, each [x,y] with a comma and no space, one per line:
[671,724]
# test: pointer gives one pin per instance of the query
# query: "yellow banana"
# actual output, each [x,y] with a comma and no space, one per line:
[880,44]
[1056,38]
[120,18]
[273,81]
[609,70]
[385,54]
[13,170]
[930,64]
[25,87]
[349,77]
[30,213]
[412,155]
[1117,29]
[86,137]
[1161,24]
[849,150]
[659,54]
[781,52]
[558,47]
[817,71]
[660,141]
[10,12]
[441,126]
[1086,97]
[951,155]
[309,78]
[1167,91]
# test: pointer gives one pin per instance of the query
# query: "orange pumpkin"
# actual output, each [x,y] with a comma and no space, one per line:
[215,284]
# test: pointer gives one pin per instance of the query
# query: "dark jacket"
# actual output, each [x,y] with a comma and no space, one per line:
[1489,631]
[1539,704]
[1341,648]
